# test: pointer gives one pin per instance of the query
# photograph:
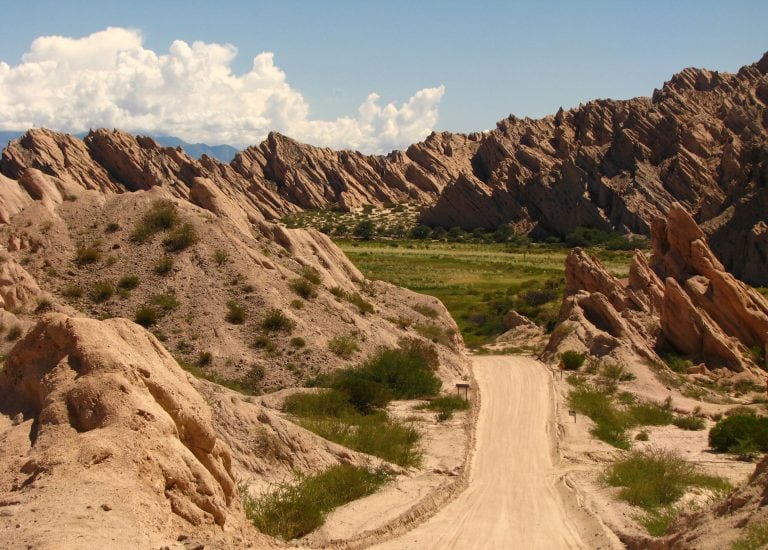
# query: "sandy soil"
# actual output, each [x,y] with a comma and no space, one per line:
[516,497]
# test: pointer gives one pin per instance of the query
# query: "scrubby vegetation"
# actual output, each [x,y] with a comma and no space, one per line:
[743,433]
[572,360]
[445,406]
[235,313]
[351,410]
[161,216]
[654,480]
[276,321]
[294,509]
[101,291]
[180,238]
[755,537]
[304,288]
[343,345]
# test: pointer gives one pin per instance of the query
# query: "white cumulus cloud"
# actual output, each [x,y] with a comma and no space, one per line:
[109,79]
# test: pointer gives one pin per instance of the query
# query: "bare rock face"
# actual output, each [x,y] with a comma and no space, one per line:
[700,140]
[682,298]
[119,446]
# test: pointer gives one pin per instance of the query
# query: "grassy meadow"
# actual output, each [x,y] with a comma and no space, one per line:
[477,282]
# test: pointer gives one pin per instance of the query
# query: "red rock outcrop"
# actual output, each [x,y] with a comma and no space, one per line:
[701,140]
[682,298]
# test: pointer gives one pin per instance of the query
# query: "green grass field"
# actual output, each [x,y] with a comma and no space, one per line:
[478,283]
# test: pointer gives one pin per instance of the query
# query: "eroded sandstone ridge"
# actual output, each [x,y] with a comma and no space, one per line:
[701,140]
[682,300]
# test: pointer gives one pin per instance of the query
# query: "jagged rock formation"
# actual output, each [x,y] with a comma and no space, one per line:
[701,140]
[683,298]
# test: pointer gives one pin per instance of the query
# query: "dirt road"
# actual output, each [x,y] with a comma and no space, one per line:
[515,499]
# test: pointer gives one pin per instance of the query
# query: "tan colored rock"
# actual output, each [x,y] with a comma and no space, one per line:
[113,426]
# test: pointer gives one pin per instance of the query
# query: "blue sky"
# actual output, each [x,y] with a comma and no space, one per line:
[492,58]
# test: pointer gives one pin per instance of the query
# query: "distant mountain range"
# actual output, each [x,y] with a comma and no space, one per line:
[224,153]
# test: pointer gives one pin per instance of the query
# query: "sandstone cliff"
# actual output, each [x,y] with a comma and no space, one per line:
[683,300]
[701,140]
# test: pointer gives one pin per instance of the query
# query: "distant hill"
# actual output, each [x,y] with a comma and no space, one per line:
[224,153]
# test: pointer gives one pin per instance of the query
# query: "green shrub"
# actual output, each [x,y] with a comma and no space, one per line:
[655,478]
[128,282]
[572,360]
[446,405]
[656,522]
[297,304]
[617,372]
[332,403]
[181,238]
[112,227]
[425,310]
[298,342]
[161,216]
[87,255]
[295,509]
[343,345]
[650,414]
[146,316]
[276,321]
[405,374]
[72,291]
[204,358]
[739,430]
[433,332]
[13,333]
[689,422]
[610,423]
[442,416]
[263,342]
[101,291]
[220,257]
[642,436]
[43,305]
[163,266]
[677,363]
[418,347]
[235,313]
[363,394]
[166,302]
[304,288]
[311,274]
[363,306]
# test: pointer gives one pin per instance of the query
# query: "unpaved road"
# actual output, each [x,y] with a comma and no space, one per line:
[515,499]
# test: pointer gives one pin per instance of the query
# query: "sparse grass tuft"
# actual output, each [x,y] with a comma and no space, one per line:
[146,316]
[72,291]
[298,342]
[87,255]
[235,313]
[445,406]
[163,266]
[304,288]
[425,310]
[101,291]
[433,332]
[276,321]
[343,345]
[754,537]
[689,422]
[128,282]
[311,274]
[220,257]
[161,216]
[13,333]
[181,238]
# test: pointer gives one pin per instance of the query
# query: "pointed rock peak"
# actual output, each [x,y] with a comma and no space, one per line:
[762,65]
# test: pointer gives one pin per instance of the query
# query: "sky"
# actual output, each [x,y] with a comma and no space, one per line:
[366,75]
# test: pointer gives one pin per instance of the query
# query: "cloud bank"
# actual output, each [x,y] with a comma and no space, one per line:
[109,79]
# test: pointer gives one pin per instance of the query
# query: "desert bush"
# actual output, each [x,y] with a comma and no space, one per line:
[649,414]
[298,342]
[180,238]
[425,310]
[87,255]
[331,403]
[343,345]
[642,436]
[263,342]
[276,321]
[204,358]
[43,305]
[363,306]
[297,304]
[689,422]
[445,406]
[295,509]
[235,313]
[610,423]
[617,372]
[128,282]
[166,302]
[572,360]
[72,291]
[677,363]
[220,257]
[740,430]
[405,374]
[163,266]
[161,216]
[146,316]
[101,291]
[311,274]
[13,333]
[304,288]
[251,382]
[420,348]
[655,478]
[433,332]
[112,227]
